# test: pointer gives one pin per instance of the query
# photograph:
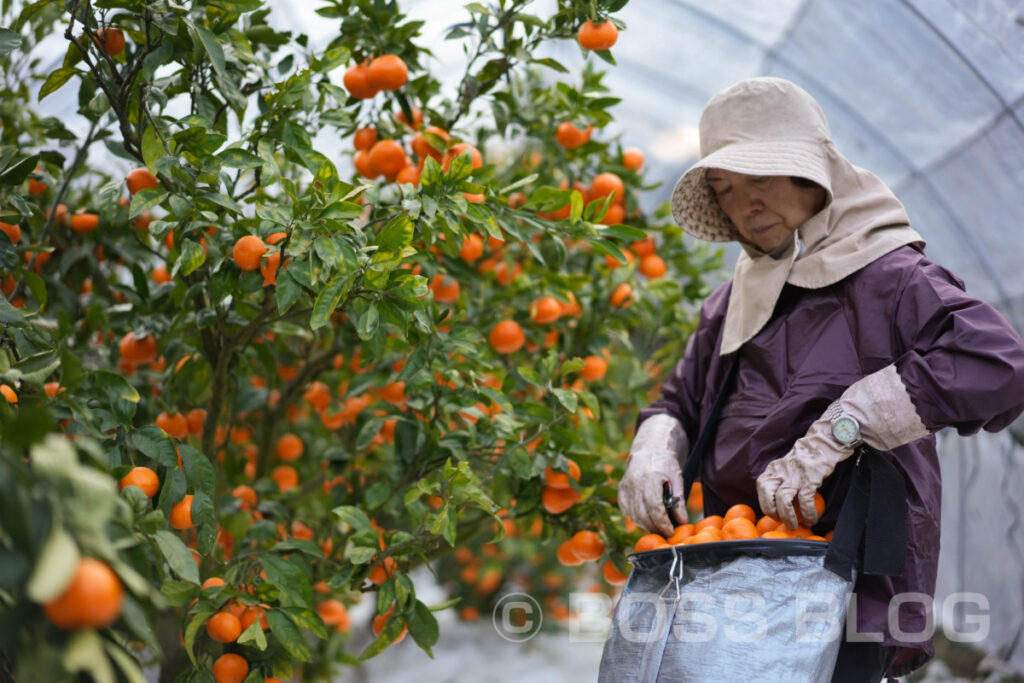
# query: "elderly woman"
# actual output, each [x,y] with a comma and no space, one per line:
[845,333]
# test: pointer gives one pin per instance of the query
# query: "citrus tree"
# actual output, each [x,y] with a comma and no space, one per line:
[252,376]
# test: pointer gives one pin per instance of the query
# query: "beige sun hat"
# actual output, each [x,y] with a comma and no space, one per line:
[760,126]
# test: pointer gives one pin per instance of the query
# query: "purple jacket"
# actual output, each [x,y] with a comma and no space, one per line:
[960,360]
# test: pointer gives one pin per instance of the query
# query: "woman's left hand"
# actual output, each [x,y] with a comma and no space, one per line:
[799,473]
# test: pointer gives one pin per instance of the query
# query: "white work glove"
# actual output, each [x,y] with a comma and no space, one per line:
[887,417]
[653,461]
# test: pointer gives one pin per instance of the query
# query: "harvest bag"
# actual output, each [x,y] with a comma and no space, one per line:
[756,610]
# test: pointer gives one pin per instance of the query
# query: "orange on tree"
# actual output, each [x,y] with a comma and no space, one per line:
[561,480]
[387,158]
[289,447]
[224,627]
[417,118]
[111,40]
[571,137]
[653,266]
[181,513]
[365,138]
[381,620]
[644,247]
[507,337]
[92,599]
[605,184]
[285,476]
[252,614]
[594,368]
[143,477]
[248,251]
[230,668]
[445,288]
[387,72]
[357,82]
[138,349]
[545,310]
[612,574]
[212,582]
[633,158]
[472,248]
[588,545]
[566,554]
[176,425]
[593,36]
[12,231]
[139,179]
[409,175]
[334,613]
[422,147]
[268,269]
[363,165]
[196,418]
[247,495]
[457,150]
[622,296]
[557,500]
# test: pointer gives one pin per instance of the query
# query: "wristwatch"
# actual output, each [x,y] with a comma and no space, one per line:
[845,428]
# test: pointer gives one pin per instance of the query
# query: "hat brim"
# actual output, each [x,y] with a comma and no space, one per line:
[694,206]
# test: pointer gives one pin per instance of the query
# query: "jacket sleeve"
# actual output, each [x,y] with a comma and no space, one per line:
[683,389]
[963,364]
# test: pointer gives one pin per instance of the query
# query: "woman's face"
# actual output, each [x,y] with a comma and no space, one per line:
[764,209]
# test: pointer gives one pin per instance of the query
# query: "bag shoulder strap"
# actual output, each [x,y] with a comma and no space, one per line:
[706,437]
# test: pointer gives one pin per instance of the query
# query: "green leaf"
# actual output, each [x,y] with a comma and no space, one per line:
[178,556]
[624,232]
[567,398]
[294,584]
[396,234]
[55,80]
[9,315]
[178,593]
[377,495]
[54,567]
[353,516]
[152,147]
[289,635]
[607,248]
[191,257]
[213,49]
[328,300]
[530,375]
[16,173]
[84,653]
[38,288]
[146,199]
[423,627]
[154,443]
[36,368]
[9,41]
[307,619]
[254,635]
[288,290]
[197,621]
[239,158]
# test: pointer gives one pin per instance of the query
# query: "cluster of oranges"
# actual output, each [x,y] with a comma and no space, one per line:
[366,79]
[740,522]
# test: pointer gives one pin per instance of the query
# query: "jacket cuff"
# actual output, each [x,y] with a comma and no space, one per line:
[882,406]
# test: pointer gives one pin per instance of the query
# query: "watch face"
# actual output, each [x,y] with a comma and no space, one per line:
[846,430]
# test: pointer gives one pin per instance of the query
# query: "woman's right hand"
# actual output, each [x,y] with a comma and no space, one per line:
[653,462]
